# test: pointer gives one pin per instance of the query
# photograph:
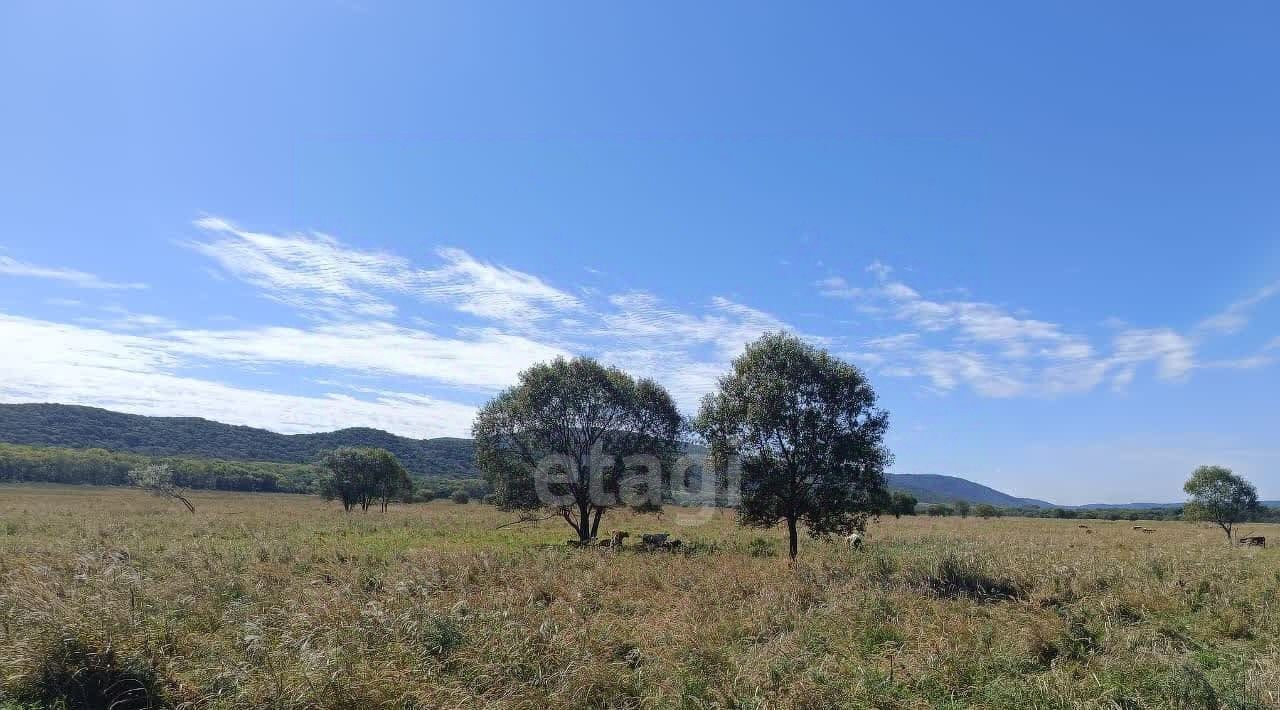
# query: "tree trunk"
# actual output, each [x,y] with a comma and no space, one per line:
[584,522]
[595,522]
[793,538]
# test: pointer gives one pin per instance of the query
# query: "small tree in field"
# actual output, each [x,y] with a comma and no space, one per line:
[1220,496]
[807,433]
[361,476]
[962,508]
[986,510]
[159,480]
[939,510]
[577,438]
[460,497]
[901,504]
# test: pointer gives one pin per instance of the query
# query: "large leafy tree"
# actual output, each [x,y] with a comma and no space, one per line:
[807,435]
[1219,496]
[362,476]
[577,438]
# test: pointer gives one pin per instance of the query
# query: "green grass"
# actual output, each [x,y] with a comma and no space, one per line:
[283,601]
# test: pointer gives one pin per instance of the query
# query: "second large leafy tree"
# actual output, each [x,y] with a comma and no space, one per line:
[806,432]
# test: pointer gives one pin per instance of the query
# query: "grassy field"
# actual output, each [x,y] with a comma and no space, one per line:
[285,602]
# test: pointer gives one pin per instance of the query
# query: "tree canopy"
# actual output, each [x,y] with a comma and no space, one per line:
[806,433]
[159,480]
[362,476]
[986,510]
[1219,496]
[901,504]
[576,437]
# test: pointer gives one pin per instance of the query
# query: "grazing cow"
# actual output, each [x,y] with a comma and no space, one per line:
[654,538]
[616,538]
[1086,527]
[658,541]
[1087,531]
[1147,530]
[1254,541]
[855,541]
[1138,527]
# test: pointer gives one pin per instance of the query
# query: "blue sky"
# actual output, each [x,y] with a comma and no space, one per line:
[1049,233]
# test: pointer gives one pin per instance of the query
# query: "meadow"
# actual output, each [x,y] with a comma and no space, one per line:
[283,601]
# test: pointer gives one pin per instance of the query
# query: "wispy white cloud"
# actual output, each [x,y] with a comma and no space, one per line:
[727,326]
[52,362]
[489,291]
[1265,356]
[120,318]
[683,350]
[487,359]
[316,272]
[967,343]
[837,287]
[352,299]
[311,272]
[81,279]
[534,320]
[946,369]
[999,353]
[1235,317]
[894,342]
[1172,353]
[1251,362]
[880,269]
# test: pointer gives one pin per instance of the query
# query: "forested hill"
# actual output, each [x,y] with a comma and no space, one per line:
[934,488]
[78,427]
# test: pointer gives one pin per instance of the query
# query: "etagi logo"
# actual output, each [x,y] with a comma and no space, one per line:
[690,488]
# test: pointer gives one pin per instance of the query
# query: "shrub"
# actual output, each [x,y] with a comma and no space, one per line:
[954,575]
[460,497]
[73,673]
[1188,688]
[440,635]
[761,547]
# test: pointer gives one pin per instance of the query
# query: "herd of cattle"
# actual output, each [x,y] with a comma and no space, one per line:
[1247,541]
[652,542]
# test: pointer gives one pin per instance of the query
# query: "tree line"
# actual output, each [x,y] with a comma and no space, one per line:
[111,468]
[99,467]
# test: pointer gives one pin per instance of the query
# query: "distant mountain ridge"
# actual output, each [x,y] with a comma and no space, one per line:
[936,488]
[79,427]
[1130,506]
[1154,506]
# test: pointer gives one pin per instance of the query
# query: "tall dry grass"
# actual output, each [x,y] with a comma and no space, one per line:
[286,602]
